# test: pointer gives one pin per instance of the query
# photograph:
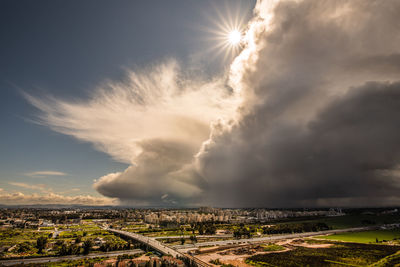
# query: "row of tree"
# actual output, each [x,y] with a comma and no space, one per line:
[204,228]
[242,232]
[108,246]
[295,228]
[75,249]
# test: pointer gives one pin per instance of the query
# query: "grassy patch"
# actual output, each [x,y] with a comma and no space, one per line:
[315,241]
[365,236]
[272,247]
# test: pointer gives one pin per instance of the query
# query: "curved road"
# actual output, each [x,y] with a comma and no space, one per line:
[157,245]
[66,258]
[188,236]
[188,247]
[149,241]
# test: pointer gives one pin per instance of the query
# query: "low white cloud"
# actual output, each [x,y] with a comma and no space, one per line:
[19,198]
[38,187]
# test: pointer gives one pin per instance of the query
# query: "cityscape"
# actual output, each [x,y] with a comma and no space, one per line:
[203,236]
[187,133]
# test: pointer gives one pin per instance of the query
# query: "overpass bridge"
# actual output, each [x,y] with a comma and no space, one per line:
[158,246]
[151,242]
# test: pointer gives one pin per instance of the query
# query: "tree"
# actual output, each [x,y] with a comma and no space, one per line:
[201,229]
[24,247]
[78,240]
[237,234]
[193,238]
[74,249]
[182,241]
[247,233]
[41,243]
[87,246]
[63,250]
[211,229]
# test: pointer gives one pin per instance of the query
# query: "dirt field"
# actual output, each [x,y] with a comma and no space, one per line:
[237,256]
[234,256]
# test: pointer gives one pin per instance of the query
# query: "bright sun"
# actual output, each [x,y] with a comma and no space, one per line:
[229,31]
[234,37]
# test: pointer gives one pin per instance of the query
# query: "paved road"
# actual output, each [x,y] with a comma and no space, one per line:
[152,242]
[188,247]
[71,257]
[149,241]
[188,236]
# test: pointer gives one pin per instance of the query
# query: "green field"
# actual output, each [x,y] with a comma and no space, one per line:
[341,254]
[365,236]
[272,247]
[9,237]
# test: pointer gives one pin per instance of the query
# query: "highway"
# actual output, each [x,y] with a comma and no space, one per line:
[149,241]
[152,242]
[71,257]
[188,236]
[187,247]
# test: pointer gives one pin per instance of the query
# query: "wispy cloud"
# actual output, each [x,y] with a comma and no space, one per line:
[155,119]
[154,103]
[45,173]
[39,187]
[70,191]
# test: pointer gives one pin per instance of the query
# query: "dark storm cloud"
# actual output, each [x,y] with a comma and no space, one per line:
[378,63]
[313,130]
[350,150]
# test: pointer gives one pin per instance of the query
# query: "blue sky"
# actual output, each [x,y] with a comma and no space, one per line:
[67,48]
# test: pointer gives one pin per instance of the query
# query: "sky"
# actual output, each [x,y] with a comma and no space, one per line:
[151,104]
